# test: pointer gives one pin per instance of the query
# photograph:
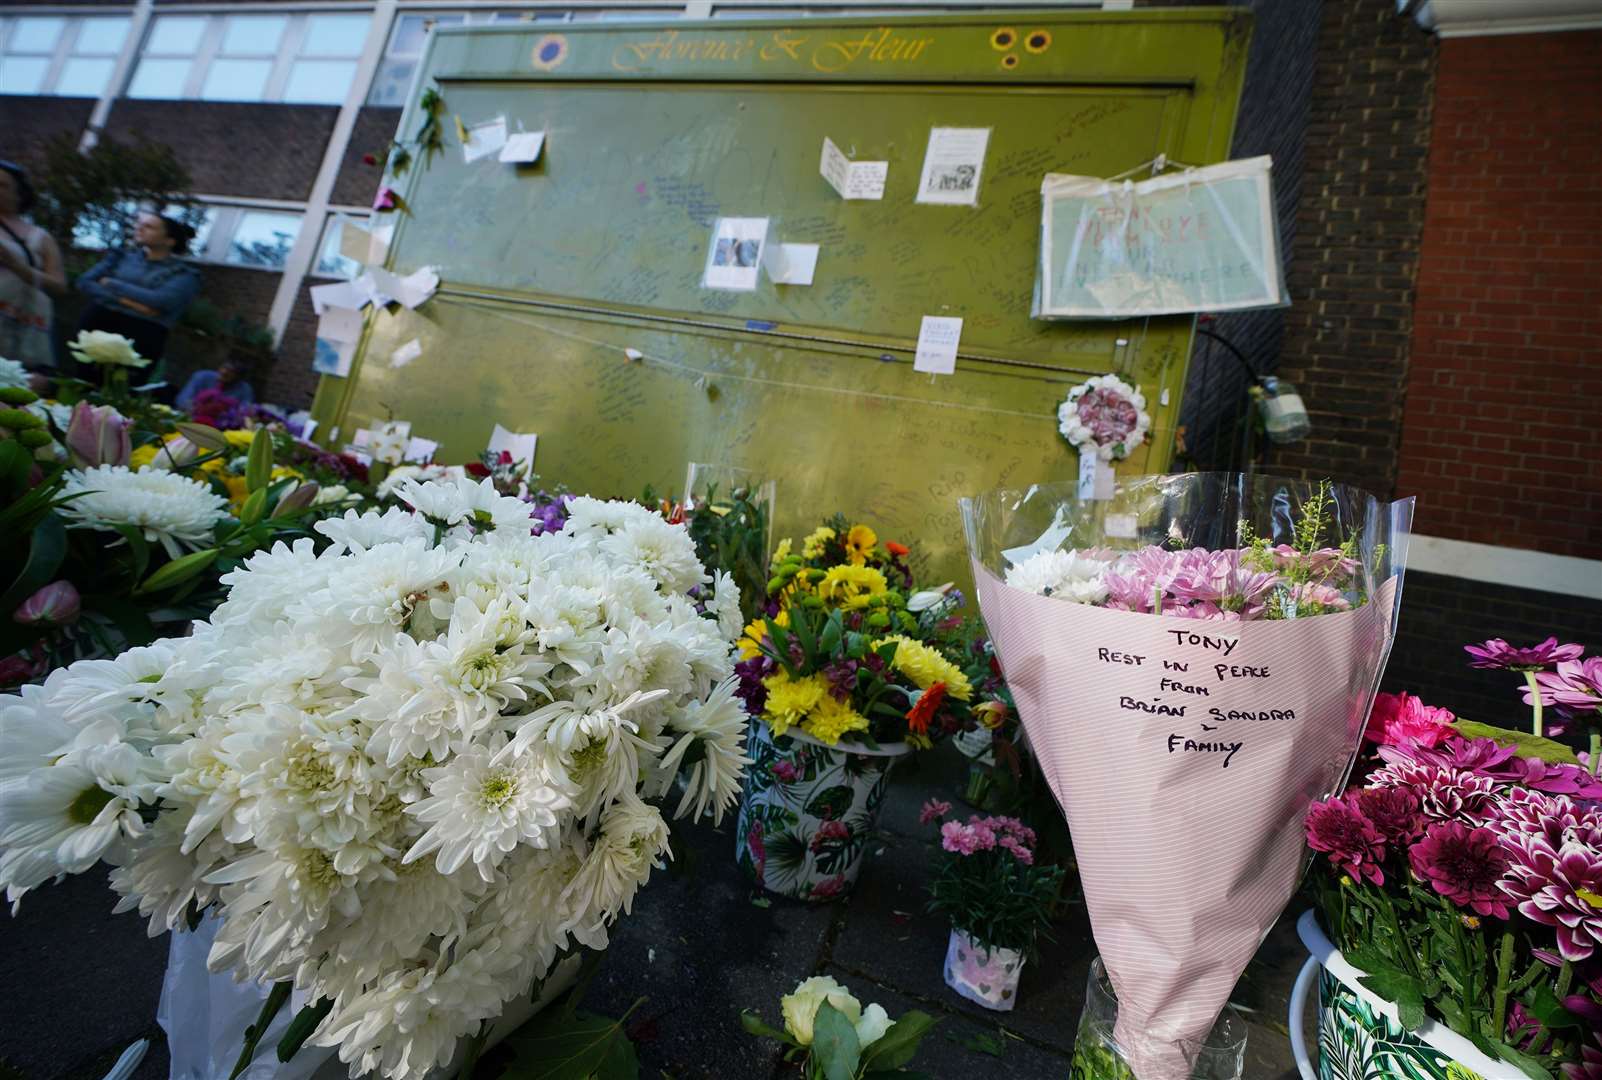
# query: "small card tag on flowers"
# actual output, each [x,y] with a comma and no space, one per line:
[1096,478]
[937,345]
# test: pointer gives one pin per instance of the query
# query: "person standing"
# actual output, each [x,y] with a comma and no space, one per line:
[229,378]
[30,274]
[141,291]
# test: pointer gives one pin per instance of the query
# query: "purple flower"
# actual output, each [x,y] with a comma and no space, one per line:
[751,691]
[1444,793]
[1589,1066]
[1560,887]
[1555,818]
[1394,811]
[1576,684]
[1463,864]
[842,678]
[1497,653]
[1522,1028]
[1338,829]
[57,604]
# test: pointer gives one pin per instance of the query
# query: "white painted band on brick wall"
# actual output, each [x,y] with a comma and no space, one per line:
[1518,567]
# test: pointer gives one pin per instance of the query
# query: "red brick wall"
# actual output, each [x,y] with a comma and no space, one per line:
[1355,252]
[1500,438]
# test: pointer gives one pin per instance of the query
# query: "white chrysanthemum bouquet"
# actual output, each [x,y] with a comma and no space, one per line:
[405,772]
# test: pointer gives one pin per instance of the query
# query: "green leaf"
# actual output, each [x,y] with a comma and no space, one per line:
[583,1047]
[301,1027]
[15,461]
[1542,1003]
[897,1045]
[1402,989]
[47,548]
[259,463]
[1528,745]
[1526,1064]
[834,1044]
[755,1025]
[251,512]
[204,436]
[179,570]
[139,546]
[829,640]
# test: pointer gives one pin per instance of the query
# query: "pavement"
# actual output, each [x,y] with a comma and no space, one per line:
[80,983]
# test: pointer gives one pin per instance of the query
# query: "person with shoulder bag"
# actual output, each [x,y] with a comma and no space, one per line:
[30,274]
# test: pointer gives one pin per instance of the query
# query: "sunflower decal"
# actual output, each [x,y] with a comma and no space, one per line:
[550,51]
[1038,41]
[1003,39]
[1009,61]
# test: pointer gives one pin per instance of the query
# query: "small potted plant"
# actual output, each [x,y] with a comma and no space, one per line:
[834,1036]
[998,900]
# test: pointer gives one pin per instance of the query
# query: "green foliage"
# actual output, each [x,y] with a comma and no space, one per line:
[731,534]
[995,898]
[206,321]
[1528,745]
[559,1044]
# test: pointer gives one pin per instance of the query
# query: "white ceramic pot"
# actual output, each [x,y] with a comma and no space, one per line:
[983,974]
[1360,1034]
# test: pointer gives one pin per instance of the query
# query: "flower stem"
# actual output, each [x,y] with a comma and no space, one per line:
[1596,753]
[1504,962]
[1535,702]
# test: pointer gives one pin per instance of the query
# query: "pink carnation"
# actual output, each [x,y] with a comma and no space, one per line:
[959,838]
[933,810]
[1404,720]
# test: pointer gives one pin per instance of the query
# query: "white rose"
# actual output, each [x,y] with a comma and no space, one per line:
[871,1028]
[801,1006]
[100,347]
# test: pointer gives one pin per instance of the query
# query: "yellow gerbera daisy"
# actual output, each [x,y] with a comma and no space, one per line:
[790,700]
[832,718]
[851,587]
[812,546]
[925,666]
[859,544]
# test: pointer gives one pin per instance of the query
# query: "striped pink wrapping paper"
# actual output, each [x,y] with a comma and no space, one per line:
[1187,827]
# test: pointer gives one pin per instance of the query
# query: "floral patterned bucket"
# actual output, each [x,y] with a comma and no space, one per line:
[984,975]
[1359,1036]
[807,811]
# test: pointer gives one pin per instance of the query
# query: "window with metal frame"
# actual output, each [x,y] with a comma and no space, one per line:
[292,58]
[60,55]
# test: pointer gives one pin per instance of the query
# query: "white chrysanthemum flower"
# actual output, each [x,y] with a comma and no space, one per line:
[392,1029]
[566,623]
[13,374]
[274,899]
[589,517]
[461,501]
[165,508]
[263,587]
[712,741]
[376,591]
[725,606]
[162,880]
[52,412]
[1063,574]
[639,657]
[58,820]
[33,733]
[633,839]
[358,532]
[663,551]
[592,753]
[479,809]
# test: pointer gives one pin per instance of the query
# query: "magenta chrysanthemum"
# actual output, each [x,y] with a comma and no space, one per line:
[1497,653]
[1589,1066]
[1463,864]
[1395,813]
[1338,829]
[1576,684]
[1560,887]
[1557,819]
[1444,794]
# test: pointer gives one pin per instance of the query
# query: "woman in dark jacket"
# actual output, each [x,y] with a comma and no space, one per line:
[141,291]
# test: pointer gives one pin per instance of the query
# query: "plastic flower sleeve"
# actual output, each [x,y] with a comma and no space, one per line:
[1191,679]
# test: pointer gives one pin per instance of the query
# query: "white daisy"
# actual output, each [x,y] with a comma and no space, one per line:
[165,508]
[712,744]
[725,606]
[663,551]
[1063,574]
[58,820]
[358,532]
[459,500]
[633,839]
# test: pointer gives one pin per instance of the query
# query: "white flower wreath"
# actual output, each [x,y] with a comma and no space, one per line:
[1104,415]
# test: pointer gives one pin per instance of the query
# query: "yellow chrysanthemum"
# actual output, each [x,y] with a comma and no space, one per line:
[790,700]
[240,439]
[142,456]
[851,587]
[925,666]
[859,544]
[832,718]
[238,491]
[782,552]
[812,546]
[751,641]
